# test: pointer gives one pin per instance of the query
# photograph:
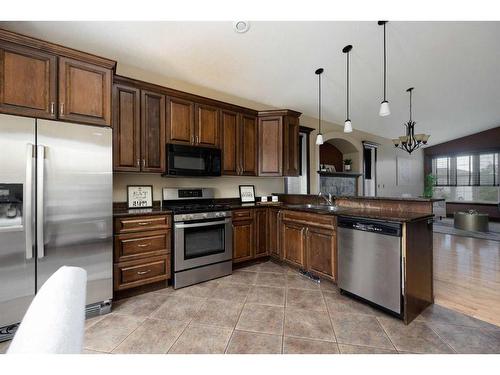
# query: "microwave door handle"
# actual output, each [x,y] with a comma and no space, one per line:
[39,201]
[28,200]
[204,224]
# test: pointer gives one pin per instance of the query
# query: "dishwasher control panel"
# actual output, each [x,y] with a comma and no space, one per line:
[367,225]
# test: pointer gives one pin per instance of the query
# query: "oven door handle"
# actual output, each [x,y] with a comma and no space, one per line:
[204,224]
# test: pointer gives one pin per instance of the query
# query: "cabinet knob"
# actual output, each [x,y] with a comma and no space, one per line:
[52,108]
[61,109]
[138,163]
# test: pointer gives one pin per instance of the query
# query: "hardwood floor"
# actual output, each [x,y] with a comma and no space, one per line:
[467,276]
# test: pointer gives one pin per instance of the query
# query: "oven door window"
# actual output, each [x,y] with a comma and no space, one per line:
[188,162]
[203,241]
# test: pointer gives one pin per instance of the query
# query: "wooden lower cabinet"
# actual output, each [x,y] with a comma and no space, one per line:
[273,232]
[261,240]
[293,243]
[321,245]
[309,241]
[243,239]
[142,248]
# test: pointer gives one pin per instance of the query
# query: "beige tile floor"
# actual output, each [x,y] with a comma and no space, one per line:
[269,308]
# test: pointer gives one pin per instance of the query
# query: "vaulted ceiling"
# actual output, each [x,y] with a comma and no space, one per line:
[454,66]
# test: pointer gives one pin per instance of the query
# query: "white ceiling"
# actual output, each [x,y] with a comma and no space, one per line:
[454,66]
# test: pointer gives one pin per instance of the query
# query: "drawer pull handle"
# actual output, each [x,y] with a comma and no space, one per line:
[143,272]
[144,244]
[144,223]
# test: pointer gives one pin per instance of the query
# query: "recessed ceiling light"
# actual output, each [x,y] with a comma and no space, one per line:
[241,26]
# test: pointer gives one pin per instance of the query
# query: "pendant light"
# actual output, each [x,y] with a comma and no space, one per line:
[319,137]
[411,141]
[347,124]
[384,106]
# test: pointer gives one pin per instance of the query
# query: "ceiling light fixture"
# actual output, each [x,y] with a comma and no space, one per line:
[347,124]
[319,137]
[384,106]
[411,141]
[241,26]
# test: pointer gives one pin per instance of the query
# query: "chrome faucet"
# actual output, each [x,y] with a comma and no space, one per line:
[328,198]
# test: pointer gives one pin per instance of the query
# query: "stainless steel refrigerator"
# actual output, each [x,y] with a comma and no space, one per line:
[55,210]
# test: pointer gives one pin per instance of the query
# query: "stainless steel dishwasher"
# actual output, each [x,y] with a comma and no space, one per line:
[370,265]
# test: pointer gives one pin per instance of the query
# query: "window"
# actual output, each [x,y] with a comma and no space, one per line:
[440,169]
[466,170]
[488,169]
[473,177]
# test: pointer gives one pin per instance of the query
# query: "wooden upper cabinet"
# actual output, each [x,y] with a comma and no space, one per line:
[153,131]
[291,153]
[230,140]
[28,81]
[84,92]
[126,129]
[321,252]
[239,143]
[248,155]
[180,121]
[270,146]
[207,126]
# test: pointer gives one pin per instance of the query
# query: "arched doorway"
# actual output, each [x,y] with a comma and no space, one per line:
[337,148]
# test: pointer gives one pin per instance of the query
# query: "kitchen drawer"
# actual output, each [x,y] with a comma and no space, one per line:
[140,223]
[141,245]
[138,273]
[318,220]
[242,214]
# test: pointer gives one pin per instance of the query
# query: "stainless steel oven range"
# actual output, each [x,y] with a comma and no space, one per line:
[203,236]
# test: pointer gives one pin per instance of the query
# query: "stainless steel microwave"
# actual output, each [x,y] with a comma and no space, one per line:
[192,161]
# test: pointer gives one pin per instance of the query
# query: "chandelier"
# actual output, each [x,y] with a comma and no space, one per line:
[411,141]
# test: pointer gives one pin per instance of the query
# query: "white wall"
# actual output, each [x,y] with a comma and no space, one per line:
[225,187]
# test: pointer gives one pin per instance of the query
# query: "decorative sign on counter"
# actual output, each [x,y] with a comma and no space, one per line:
[247,193]
[140,196]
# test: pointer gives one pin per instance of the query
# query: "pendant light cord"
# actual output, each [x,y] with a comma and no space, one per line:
[385,69]
[348,85]
[319,102]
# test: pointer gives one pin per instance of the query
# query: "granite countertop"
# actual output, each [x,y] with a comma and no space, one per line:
[404,199]
[377,214]
[383,215]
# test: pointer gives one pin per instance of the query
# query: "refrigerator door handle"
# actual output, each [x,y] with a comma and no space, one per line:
[28,198]
[40,154]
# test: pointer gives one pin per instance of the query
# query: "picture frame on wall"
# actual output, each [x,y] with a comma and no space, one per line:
[139,196]
[247,193]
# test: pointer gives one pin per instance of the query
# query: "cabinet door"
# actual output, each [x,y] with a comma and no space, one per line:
[28,82]
[321,252]
[84,92]
[270,146]
[293,243]
[273,232]
[207,126]
[126,129]
[261,232]
[291,146]
[180,123]
[153,131]
[243,240]
[230,147]
[248,126]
